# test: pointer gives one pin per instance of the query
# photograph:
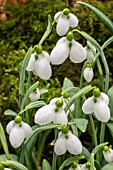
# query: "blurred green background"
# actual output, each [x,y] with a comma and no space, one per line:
[23,26]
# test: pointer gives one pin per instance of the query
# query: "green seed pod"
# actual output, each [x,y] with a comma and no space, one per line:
[106,148]
[38,49]
[65,95]
[59,103]
[96,92]
[1,166]
[74,165]
[66,11]
[65,129]
[18,119]
[70,36]
[88,165]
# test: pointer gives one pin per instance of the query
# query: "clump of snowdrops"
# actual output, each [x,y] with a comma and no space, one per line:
[64,115]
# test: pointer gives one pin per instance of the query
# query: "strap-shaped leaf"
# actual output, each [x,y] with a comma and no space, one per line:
[10,112]
[46,165]
[100,14]
[35,104]
[15,164]
[108,167]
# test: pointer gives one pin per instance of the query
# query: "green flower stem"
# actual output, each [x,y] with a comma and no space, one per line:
[100,73]
[54,161]
[102,134]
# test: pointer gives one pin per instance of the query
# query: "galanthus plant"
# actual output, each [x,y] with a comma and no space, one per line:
[65,118]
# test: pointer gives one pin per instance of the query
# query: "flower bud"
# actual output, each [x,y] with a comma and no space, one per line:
[96,92]
[1,166]
[18,119]
[66,11]
[65,95]
[70,36]
[88,73]
[59,103]
[38,49]
[88,165]
[74,165]
[65,129]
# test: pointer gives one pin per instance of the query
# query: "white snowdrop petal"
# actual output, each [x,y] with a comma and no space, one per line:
[60,117]
[87,106]
[84,167]
[34,96]
[46,55]
[62,25]
[60,145]
[57,15]
[43,68]
[88,74]
[77,52]
[101,111]
[27,129]
[7,169]
[89,54]
[108,155]
[59,53]
[17,136]
[31,64]
[73,20]
[44,115]
[105,98]
[77,168]
[74,145]
[54,100]
[9,126]
[62,40]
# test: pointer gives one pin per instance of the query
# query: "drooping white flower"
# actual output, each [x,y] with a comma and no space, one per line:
[85,167]
[34,96]
[67,142]
[88,74]
[65,20]
[89,53]
[51,113]
[65,48]
[40,65]
[108,155]
[18,132]
[98,105]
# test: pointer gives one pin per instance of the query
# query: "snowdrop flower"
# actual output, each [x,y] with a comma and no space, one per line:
[65,47]
[34,96]
[89,53]
[74,166]
[65,20]
[53,112]
[98,104]
[7,169]
[88,73]
[39,63]
[18,131]
[67,142]
[108,154]
[87,166]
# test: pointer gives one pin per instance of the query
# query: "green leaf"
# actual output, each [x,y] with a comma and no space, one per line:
[81,124]
[46,165]
[110,94]
[108,167]
[77,95]
[22,70]
[35,104]
[33,87]
[12,156]
[100,14]
[16,165]
[86,153]
[10,113]
[70,160]
[4,142]
[67,84]
[110,127]
[48,30]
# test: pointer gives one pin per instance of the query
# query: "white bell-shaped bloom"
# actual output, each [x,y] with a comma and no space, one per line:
[41,65]
[62,50]
[34,96]
[77,168]
[50,113]
[108,155]
[7,169]
[99,107]
[18,132]
[89,53]
[64,22]
[85,168]
[88,74]
[67,142]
